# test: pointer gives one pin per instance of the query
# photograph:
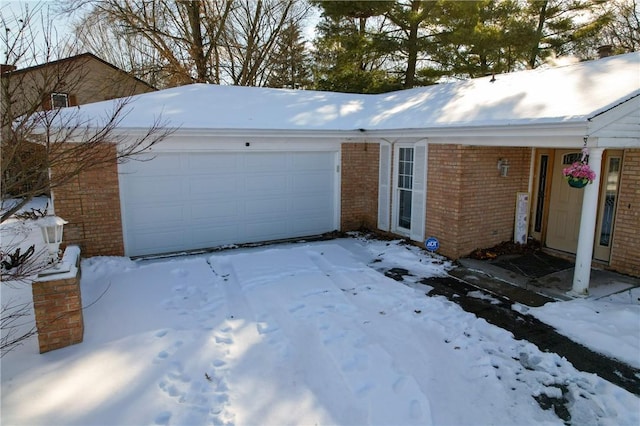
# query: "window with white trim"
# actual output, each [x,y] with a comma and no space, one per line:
[405,187]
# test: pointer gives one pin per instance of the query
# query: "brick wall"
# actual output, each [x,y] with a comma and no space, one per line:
[469,205]
[91,205]
[625,254]
[57,305]
[443,211]
[359,197]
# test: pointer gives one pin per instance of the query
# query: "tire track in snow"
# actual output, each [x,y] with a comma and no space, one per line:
[272,325]
[368,368]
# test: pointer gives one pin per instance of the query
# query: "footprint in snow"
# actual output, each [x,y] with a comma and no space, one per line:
[225,340]
[217,363]
[162,355]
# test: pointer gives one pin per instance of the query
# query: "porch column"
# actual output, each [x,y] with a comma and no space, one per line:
[584,254]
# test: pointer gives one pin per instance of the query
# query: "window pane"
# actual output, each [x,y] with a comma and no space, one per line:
[59,100]
[404,214]
[542,184]
[611,189]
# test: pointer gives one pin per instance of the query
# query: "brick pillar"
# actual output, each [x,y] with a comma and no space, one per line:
[58,306]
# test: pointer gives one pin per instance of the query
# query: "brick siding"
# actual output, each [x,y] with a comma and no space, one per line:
[625,253]
[91,205]
[359,197]
[469,205]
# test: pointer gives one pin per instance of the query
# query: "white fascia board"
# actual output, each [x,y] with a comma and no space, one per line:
[557,135]
[262,133]
[618,143]
[567,134]
[189,143]
[606,118]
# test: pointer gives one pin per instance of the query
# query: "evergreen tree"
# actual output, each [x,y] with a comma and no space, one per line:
[417,24]
[350,53]
[481,38]
[560,27]
[291,67]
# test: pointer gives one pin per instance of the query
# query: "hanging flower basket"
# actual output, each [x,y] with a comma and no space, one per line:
[579,174]
[577,183]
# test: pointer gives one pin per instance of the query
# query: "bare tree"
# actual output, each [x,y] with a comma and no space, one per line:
[45,144]
[188,41]
[251,39]
[622,31]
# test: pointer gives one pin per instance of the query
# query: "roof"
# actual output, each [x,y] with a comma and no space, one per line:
[570,93]
[87,55]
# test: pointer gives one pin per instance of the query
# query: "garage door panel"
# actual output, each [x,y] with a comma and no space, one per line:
[302,204]
[213,186]
[166,216]
[223,234]
[265,162]
[266,230]
[214,210]
[152,188]
[159,165]
[310,226]
[212,199]
[220,163]
[266,206]
[147,242]
[266,182]
[310,161]
[315,182]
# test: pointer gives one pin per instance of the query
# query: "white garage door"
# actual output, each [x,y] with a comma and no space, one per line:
[186,201]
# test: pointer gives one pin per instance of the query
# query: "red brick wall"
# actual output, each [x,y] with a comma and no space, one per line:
[91,205]
[58,310]
[444,209]
[359,197]
[469,205]
[625,254]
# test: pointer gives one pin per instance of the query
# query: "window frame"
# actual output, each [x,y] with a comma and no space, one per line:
[56,96]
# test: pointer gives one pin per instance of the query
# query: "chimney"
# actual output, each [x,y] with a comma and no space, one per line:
[6,68]
[604,51]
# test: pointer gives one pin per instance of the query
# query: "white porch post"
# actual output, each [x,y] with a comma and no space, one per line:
[584,254]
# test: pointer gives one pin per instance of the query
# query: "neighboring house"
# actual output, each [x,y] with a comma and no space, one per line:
[76,80]
[72,81]
[255,164]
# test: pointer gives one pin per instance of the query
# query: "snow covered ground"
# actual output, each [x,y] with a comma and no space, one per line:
[307,333]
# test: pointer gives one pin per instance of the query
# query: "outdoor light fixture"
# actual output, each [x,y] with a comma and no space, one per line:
[503,166]
[51,227]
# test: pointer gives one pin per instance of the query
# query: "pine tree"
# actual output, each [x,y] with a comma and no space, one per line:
[350,53]
[560,27]
[291,63]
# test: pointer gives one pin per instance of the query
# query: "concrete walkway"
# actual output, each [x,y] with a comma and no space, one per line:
[534,279]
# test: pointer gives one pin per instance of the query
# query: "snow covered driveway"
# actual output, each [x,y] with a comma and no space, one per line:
[293,334]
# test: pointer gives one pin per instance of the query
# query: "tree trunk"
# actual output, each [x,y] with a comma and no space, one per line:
[535,49]
[193,13]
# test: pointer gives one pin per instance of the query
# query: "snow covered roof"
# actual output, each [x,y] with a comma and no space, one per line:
[567,93]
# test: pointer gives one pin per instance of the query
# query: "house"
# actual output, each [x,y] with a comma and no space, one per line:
[76,80]
[472,163]
[72,81]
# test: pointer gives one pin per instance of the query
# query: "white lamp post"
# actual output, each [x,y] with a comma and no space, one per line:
[52,234]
